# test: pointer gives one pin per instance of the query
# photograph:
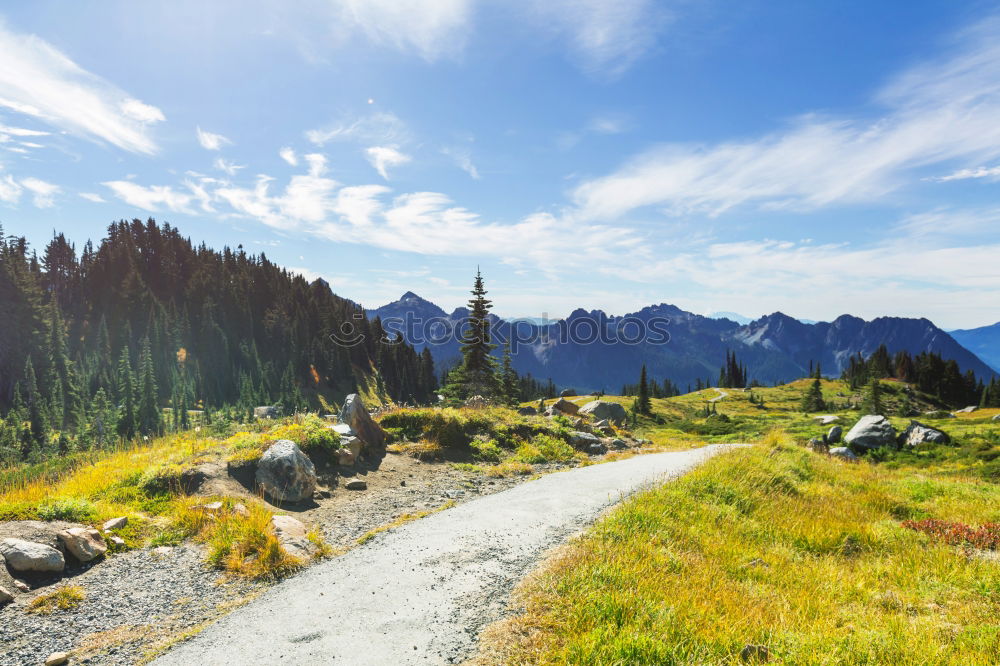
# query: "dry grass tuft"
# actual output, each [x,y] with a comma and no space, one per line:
[63,598]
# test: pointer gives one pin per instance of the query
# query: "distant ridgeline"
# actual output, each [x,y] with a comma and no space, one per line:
[773,349]
[93,345]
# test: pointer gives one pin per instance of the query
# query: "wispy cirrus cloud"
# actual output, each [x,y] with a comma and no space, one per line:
[39,81]
[383,158]
[938,112]
[44,192]
[990,173]
[211,140]
[602,37]
[381,127]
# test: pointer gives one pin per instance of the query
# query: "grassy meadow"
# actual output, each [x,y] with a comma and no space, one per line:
[776,553]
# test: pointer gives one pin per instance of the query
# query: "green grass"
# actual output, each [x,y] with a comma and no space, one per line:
[773,546]
[63,598]
[142,482]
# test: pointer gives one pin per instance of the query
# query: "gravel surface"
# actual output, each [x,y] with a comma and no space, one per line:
[141,600]
[421,593]
[130,599]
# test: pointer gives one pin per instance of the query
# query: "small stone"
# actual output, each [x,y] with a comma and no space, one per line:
[21,585]
[755,653]
[117,540]
[356,484]
[321,494]
[211,507]
[57,659]
[241,510]
[115,524]
[402,483]
[5,596]
[162,550]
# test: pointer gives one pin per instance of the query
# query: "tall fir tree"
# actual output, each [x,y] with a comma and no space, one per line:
[37,410]
[508,377]
[643,405]
[476,375]
[125,389]
[150,418]
[872,403]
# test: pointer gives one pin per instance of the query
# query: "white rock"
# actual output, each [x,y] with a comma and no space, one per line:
[57,659]
[285,473]
[291,534]
[30,556]
[84,543]
[5,596]
[115,524]
[871,432]
[843,452]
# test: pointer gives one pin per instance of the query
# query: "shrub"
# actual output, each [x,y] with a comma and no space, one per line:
[65,597]
[486,451]
[72,509]
[553,449]
[985,537]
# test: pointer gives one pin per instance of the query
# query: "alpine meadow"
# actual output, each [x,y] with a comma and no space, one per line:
[373,332]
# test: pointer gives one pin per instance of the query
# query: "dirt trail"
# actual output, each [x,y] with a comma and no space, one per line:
[420,594]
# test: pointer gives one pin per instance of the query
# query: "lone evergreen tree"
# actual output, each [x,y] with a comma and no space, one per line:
[872,403]
[642,402]
[476,375]
[508,377]
[812,401]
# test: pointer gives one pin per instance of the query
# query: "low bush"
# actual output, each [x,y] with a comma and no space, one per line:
[72,509]
[64,597]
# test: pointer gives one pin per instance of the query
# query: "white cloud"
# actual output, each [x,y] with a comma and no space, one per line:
[384,158]
[380,127]
[210,140]
[153,198]
[605,37]
[10,191]
[230,168]
[288,155]
[432,28]
[937,112]
[93,197]
[20,131]
[39,81]
[608,124]
[44,192]
[991,173]
[463,160]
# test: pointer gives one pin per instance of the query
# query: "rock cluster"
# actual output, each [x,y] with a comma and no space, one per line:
[871,432]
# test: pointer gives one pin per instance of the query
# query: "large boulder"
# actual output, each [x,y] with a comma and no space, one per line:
[527,411]
[917,433]
[266,412]
[83,543]
[285,473]
[564,406]
[604,410]
[354,414]
[827,419]
[996,417]
[833,437]
[28,556]
[567,393]
[871,432]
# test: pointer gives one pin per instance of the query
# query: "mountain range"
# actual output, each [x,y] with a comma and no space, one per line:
[774,348]
[984,342]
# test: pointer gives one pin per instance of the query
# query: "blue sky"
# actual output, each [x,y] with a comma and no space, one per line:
[815,158]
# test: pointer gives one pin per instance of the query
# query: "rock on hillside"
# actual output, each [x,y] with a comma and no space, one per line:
[871,432]
[285,473]
[354,414]
[604,410]
[918,433]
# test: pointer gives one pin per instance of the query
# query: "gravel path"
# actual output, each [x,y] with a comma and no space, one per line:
[420,594]
[722,394]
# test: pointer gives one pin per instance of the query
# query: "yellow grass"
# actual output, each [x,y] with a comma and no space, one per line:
[402,520]
[772,546]
[64,597]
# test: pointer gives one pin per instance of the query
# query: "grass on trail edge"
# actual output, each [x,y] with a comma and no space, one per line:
[773,546]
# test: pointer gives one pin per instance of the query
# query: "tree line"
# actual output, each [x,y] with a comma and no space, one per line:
[928,371]
[127,338]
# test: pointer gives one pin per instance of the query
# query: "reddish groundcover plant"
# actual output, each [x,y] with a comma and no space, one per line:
[984,537]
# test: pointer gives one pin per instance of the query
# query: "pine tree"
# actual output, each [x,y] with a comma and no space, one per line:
[102,423]
[37,412]
[643,405]
[125,390]
[508,378]
[150,418]
[872,403]
[476,375]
